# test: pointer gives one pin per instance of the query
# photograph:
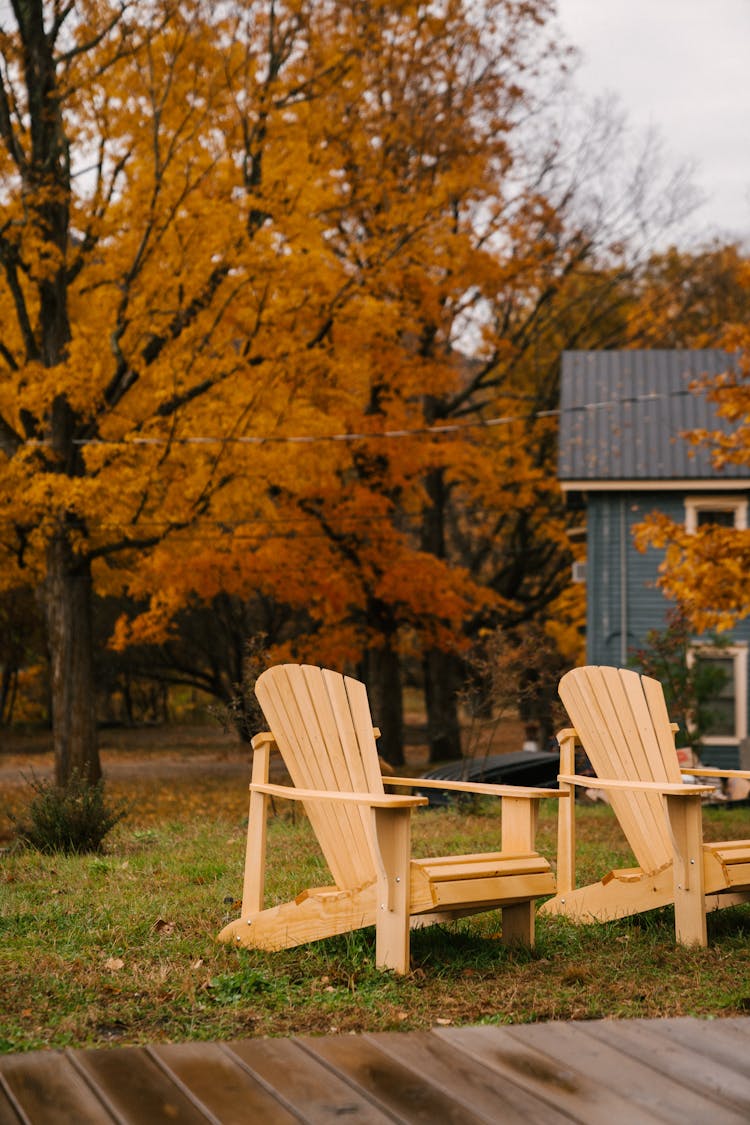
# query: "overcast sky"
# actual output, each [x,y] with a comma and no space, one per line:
[684,67]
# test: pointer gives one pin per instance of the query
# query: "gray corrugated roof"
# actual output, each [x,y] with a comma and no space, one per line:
[622,414]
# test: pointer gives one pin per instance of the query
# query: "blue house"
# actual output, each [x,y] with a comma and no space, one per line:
[622,455]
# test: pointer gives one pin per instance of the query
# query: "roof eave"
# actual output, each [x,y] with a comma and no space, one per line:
[685,484]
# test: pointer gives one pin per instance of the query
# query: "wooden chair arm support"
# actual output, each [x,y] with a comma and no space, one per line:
[264,738]
[374,800]
[707,771]
[475,787]
[668,788]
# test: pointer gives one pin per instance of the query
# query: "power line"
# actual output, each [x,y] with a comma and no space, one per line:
[418,431]
[374,435]
[310,439]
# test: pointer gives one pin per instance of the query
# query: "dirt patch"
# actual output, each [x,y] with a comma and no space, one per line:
[173,751]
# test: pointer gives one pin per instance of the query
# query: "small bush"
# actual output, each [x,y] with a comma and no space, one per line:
[71,818]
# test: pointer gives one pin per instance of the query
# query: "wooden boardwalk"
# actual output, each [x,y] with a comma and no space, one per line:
[603,1071]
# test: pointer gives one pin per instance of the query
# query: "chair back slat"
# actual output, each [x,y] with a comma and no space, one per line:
[327,746]
[622,722]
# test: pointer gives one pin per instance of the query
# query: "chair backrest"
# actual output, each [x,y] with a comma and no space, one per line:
[622,721]
[322,725]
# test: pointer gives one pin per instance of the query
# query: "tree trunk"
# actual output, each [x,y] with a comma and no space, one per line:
[440,668]
[383,679]
[70,638]
[441,703]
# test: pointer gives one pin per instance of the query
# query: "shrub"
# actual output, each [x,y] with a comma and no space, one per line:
[71,818]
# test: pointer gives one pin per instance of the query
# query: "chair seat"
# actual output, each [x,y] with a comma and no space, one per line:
[486,866]
[467,881]
[727,864]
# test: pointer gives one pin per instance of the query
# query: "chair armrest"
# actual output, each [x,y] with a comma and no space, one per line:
[373,800]
[670,788]
[707,771]
[474,787]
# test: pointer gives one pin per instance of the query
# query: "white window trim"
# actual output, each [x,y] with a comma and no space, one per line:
[738,652]
[718,503]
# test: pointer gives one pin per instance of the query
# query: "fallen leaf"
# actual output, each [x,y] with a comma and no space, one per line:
[114,964]
[197,964]
[161,926]
[443,1022]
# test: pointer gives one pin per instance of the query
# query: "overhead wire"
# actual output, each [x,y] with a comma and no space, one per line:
[418,431]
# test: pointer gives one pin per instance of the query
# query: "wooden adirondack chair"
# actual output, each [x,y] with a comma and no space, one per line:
[621,721]
[321,723]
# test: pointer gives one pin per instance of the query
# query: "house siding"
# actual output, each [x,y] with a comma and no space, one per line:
[622,581]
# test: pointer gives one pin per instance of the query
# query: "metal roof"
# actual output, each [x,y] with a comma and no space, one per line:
[623,413]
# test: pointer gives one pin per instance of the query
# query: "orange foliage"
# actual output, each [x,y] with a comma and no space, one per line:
[706,571]
[236,226]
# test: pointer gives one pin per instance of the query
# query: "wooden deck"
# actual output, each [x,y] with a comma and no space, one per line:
[612,1071]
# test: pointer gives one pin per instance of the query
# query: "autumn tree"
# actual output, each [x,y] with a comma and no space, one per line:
[414,137]
[706,571]
[403,522]
[686,298]
[148,298]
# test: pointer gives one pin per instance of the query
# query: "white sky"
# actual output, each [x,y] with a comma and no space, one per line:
[682,66]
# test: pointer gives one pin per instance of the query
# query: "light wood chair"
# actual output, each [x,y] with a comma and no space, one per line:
[321,723]
[621,721]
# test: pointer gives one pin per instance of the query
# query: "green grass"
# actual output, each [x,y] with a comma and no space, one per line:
[120,948]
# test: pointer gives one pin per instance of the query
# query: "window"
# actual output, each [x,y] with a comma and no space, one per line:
[728,707]
[721,511]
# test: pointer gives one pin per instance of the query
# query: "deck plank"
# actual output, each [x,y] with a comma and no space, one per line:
[48,1088]
[8,1114]
[221,1084]
[650,1041]
[579,1045]
[398,1089]
[564,1087]
[713,1040]
[465,1079]
[137,1089]
[309,1086]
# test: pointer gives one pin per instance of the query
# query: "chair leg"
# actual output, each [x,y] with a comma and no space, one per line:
[685,821]
[518,924]
[393,836]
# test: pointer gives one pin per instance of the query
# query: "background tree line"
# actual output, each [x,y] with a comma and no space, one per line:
[283,291]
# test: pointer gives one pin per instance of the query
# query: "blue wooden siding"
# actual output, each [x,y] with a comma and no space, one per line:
[623,599]
[621,581]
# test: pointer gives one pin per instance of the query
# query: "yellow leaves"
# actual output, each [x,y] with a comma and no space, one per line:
[704,571]
[150,627]
[279,242]
[566,623]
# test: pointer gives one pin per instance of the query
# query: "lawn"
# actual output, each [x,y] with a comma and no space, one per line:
[119,948]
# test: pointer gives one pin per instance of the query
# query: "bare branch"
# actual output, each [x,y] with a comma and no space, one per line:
[8,256]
